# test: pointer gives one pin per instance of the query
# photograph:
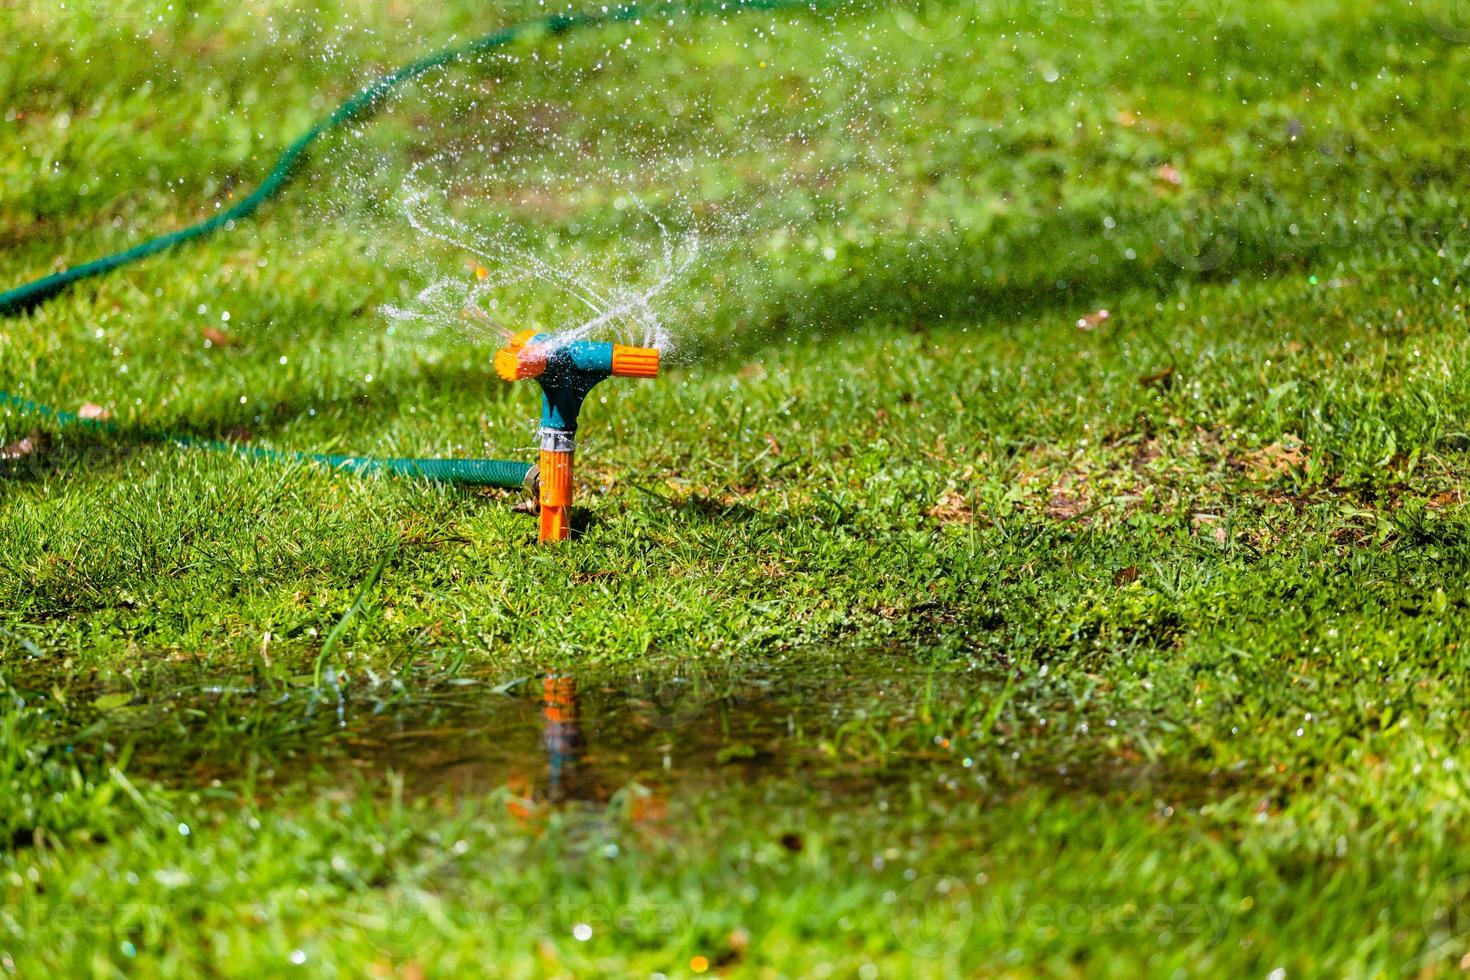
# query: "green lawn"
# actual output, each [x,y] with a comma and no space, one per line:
[1156,620]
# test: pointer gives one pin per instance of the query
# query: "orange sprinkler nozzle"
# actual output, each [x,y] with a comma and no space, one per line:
[520,358]
[634,362]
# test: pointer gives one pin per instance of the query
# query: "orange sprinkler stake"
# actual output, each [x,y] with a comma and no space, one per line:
[556,495]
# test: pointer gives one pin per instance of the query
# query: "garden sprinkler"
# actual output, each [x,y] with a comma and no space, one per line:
[567,370]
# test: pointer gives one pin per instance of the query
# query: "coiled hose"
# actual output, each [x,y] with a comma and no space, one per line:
[473,472]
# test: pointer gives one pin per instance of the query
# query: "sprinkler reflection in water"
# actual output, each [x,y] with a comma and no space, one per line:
[567,775]
[839,727]
[562,737]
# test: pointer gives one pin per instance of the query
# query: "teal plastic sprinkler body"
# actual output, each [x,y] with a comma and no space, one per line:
[567,370]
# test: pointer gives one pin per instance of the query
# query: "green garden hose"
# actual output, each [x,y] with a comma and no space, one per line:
[477,472]
[364,102]
[468,472]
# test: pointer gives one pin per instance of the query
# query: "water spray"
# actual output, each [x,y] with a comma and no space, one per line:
[566,368]
[363,104]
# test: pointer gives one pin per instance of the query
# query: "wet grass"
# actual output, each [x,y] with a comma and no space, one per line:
[865,758]
[1185,585]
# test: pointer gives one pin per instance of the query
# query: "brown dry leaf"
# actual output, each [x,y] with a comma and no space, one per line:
[1093,320]
[1445,498]
[215,337]
[1126,575]
[28,446]
[93,413]
[952,508]
[1126,118]
[1276,459]
[1064,507]
[1163,378]
[1169,175]
[649,808]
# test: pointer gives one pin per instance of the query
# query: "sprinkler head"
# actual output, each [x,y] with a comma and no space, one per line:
[567,371]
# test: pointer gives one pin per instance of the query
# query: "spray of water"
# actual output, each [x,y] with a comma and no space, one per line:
[616,186]
[625,309]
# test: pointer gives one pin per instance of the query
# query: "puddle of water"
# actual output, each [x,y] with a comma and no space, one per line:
[826,725]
